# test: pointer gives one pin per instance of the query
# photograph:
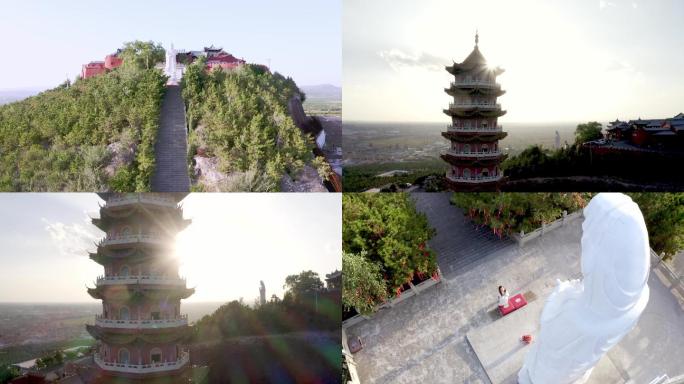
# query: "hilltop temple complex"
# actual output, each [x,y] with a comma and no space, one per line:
[474,156]
[216,58]
[141,329]
[665,133]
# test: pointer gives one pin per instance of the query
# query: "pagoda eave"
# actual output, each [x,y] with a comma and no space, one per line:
[139,336]
[460,161]
[487,186]
[473,112]
[470,137]
[453,91]
[136,292]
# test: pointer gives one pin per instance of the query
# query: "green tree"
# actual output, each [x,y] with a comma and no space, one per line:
[664,217]
[362,287]
[303,284]
[588,132]
[8,373]
[142,54]
[391,232]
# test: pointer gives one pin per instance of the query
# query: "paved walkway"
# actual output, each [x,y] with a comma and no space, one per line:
[422,339]
[458,242]
[171,173]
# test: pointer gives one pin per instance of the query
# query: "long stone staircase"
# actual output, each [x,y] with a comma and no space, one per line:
[171,173]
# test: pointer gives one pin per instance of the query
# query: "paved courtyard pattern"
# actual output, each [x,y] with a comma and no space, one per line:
[422,339]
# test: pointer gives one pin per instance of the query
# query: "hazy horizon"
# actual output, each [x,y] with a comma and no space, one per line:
[303,41]
[590,60]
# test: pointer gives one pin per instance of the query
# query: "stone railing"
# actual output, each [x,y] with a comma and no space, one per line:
[349,359]
[133,238]
[474,180]
[474,105]
[474,154]
[149,198]
[414,290]
[142,279]
[669,277]
[142,368]
[451,127]
[138,324]
[522,237]
[478,83]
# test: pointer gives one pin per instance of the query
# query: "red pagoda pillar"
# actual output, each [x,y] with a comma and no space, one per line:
[474,155]
[141,327]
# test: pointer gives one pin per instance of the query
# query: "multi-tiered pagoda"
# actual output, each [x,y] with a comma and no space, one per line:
[141,328]
[474,155]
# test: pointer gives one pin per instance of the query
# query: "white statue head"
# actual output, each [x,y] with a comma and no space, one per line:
[615,254]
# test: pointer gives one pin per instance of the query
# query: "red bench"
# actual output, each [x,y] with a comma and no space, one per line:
[516,302]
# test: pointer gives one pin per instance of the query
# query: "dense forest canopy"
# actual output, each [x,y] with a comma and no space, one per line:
[94,135]
[241,117]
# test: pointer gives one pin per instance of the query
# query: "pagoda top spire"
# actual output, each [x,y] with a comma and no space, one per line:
[477,37]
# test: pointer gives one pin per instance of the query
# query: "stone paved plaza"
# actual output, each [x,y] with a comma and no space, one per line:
[423,339]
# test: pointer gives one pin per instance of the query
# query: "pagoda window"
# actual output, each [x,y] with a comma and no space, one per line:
[124,271]
[124,356]
[484,148]
[155,315]
[484,124]
[466,148]
[485,172]
[155,355]
[466,173]
[124,313]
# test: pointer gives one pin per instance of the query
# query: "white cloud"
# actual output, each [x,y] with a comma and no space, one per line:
[397,59]
[72,239]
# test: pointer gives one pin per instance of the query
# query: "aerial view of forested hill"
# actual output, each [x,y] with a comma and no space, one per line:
[95,134]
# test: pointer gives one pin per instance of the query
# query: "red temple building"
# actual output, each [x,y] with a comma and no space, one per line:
[474,156]
[95,68]
[141,327]
[653,133]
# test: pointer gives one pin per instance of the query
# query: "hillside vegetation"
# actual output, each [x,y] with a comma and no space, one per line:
[240,117]
[94,135]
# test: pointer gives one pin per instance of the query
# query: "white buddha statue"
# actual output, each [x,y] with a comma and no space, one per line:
[170,67]
[584,319]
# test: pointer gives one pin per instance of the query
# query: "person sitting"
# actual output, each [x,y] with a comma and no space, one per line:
[503,297]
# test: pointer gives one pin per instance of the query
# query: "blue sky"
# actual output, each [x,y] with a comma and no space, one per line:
[44,41]
[235,240]
[565,61]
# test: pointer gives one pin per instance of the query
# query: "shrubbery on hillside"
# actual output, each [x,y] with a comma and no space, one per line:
[384,229]
[97,134]
[241,118]
[506,213]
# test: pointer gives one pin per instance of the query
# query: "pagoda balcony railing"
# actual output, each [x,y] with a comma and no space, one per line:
[149,198]
[183,359]
[149,237]
[477,83]
[140,279]
[141,324]
[476,179]
[475,105]
[475,154]
[452,127]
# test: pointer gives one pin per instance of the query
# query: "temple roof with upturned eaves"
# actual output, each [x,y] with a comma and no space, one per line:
[474,61]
